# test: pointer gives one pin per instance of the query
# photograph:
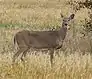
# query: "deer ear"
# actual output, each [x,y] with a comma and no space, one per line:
[61,15]
[71,16]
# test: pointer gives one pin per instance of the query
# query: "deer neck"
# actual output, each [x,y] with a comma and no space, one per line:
[61,36]
[62,33]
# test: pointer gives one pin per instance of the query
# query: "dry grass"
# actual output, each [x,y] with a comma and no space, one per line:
[73,66]
[40,15]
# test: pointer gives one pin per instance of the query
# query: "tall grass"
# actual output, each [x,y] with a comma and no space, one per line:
[73,66]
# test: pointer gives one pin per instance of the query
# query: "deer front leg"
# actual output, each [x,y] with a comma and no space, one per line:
[51,56]
[57,53]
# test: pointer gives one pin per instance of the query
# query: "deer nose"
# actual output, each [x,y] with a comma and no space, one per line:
[66,24]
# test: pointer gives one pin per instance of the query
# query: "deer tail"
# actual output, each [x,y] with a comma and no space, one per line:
[14,40]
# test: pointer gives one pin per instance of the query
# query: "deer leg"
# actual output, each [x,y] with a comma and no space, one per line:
[57,53]
[24,54]
[18,53]
[51,56]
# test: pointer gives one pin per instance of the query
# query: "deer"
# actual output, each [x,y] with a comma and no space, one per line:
[49,40]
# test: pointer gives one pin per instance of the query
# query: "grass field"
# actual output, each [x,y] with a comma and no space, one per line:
[16,15]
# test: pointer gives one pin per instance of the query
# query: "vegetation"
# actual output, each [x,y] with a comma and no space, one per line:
[16,15]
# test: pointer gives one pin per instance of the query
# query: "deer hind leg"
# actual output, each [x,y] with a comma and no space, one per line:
[21,50]
[51,56]
[24,54]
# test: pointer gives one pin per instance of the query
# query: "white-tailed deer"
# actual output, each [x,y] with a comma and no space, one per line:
[50,40]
